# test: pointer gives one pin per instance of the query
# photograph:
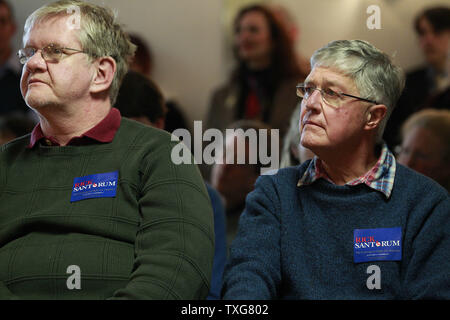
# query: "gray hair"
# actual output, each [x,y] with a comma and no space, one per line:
[375,76]
[100,35]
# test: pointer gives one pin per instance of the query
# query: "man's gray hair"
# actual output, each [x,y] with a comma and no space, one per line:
[100,34]
[375,76]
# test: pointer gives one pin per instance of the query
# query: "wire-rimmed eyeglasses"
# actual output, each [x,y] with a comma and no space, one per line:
[50,53]
[329,96]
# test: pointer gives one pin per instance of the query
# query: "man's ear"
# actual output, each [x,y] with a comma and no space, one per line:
[375,115]
[104,74]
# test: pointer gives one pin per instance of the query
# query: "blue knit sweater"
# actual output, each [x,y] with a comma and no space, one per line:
[298,242]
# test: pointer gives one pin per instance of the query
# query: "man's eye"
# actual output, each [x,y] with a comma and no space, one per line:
[309,90]
[28,52]
[56,50]
[330,92]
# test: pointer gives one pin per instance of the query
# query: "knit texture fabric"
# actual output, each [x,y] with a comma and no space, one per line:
[297,242]
[153,240]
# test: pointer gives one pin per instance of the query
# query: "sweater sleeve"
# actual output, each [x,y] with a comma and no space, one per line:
[253,271]
[428,271]
[174,245]
[5,293]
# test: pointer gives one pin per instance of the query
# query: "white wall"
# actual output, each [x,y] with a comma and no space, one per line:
[191,55]
[322,21]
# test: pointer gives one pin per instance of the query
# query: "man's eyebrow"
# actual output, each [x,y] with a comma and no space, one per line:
[335,84]
[55,43]
[308,81]
[331,83]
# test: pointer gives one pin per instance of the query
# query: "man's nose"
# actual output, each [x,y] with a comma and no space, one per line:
[36,62]
[314,101]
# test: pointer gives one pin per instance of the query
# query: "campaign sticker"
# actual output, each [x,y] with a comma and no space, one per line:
[102,185]
[382,244]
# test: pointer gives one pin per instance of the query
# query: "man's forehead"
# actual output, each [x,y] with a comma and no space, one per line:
[54,29]
[329,76]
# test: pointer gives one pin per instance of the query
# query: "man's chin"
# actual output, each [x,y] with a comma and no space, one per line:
[37,103]
[43,109]
[308,141]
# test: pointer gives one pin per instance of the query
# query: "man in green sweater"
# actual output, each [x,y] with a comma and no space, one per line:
[91,205]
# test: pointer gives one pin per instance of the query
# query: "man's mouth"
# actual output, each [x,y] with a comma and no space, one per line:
[34,80]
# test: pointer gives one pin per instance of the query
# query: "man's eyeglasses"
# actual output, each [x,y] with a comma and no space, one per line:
[50,53]
[329,96]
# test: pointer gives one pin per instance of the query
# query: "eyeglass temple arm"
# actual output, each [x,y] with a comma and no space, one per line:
[364,99]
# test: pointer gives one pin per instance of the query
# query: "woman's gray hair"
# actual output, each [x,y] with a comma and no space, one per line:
[375,76]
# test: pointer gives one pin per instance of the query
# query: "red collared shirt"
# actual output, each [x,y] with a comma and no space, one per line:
[103,132]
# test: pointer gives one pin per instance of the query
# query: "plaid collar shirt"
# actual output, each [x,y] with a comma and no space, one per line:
[380,177]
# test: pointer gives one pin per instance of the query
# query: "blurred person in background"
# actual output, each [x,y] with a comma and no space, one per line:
[143,58]
[14,126]
[11,100]
[260,86]
[294,153]
[143,63]
[426,144]
[234,180]
[429,85]
[141,99]
[293,30]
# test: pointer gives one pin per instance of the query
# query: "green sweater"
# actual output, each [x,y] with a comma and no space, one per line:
[153,240]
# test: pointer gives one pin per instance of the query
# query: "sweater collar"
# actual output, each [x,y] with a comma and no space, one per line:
[103,132]
[380,177]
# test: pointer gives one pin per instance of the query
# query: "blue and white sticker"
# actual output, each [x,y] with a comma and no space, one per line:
[382,244]
[102,185]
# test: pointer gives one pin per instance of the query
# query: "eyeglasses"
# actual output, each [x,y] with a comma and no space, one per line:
[50,53]
[329,96]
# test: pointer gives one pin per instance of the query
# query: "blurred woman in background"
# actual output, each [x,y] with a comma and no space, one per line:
[262,85]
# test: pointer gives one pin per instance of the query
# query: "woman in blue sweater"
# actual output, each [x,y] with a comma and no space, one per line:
[351,223]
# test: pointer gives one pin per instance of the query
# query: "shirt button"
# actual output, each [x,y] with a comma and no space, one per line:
[48,142]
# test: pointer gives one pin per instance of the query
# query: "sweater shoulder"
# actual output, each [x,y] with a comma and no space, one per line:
[283,179]
[15,146]
[293,173]
[417,185]
[135,133]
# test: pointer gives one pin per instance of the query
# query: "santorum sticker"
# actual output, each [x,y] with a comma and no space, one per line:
[383,244]
[102,185]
